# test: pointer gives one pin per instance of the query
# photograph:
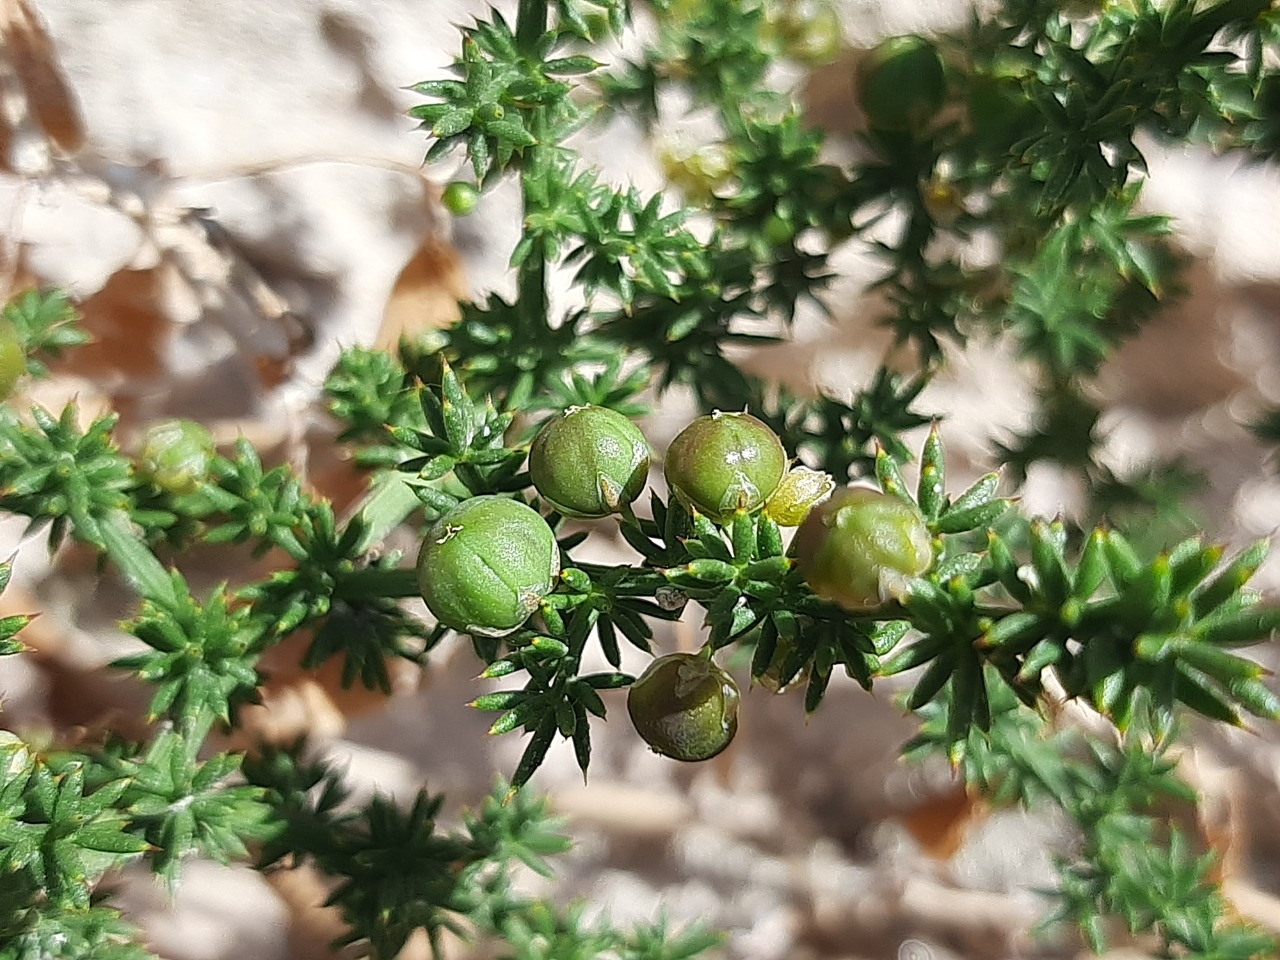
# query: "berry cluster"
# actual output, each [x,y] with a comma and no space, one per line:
[487,565]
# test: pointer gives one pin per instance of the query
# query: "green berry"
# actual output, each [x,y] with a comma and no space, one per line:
[176,455]
[810,32]
[859,548]
[589,462]
[901,83]
[725,462]
[13,359]
[485,565]
[684,707]
[460,198]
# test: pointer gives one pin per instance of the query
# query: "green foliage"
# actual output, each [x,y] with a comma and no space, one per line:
[1133,864]
[46,325]
[1030,139]
[200,659]
[56,474]
[398,871]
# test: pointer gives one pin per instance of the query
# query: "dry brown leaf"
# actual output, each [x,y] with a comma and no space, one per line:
[84,699]
[35,61]
[940,823]
[425,295]
[130,330]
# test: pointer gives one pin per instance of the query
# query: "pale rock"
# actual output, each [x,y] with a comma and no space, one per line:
[207,918]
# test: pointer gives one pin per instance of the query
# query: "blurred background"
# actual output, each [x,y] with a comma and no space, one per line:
[232,193]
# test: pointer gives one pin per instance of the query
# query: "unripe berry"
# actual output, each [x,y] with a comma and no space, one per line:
[486,565]
[460,198]
[860,547]
[725,462]
[685,707]
[901,83]
[590,462]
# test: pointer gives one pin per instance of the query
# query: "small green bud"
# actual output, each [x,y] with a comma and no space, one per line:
[699,175]
[13,359]
[901,83]
[176,455]
[685,707]
[809,32]
[725,462]
[460,198]
[859,548]
[800,490]
[486,565]
[589,462]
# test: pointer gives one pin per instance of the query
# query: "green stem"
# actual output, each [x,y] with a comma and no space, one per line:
[130,553]
[531,283]
[531,23]
[373,583]
[389,503]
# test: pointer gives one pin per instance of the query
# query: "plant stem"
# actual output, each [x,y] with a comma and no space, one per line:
[531,23]
[135,560]
[389,503]
[375,583]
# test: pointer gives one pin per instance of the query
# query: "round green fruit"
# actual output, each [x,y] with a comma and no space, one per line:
[13,359]
[486,565]
[176,455]
[811,33]
[460,198]
[860,547]
[725,462]
[901,83]
[589,462]
[684,707]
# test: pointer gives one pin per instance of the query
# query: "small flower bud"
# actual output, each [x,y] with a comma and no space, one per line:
[800,490]
[176,454]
